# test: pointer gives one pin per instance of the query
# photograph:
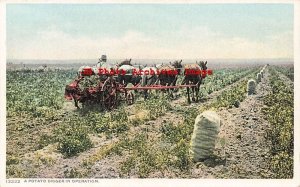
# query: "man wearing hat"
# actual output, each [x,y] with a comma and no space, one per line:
[102,60]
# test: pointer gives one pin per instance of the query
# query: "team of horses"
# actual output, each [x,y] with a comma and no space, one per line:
[129,75]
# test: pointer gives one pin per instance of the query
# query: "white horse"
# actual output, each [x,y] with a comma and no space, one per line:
[131,75]
[127,68]
[159,65]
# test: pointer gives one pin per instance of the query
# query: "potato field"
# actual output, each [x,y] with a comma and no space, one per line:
[47,137]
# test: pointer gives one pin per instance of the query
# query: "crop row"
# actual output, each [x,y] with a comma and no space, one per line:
[280,114]
[232,97]
[37,94]
[221,78]
[288,71]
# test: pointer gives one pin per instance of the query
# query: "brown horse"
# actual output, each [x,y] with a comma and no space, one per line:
[125,62]
[168,74]
[193,75]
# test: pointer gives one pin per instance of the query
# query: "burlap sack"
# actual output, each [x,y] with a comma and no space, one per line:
[206,129]
[251,87]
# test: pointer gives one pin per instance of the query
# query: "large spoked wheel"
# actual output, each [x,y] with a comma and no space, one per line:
[129,98]
[109,94]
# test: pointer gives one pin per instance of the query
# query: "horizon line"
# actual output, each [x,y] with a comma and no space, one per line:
[280,58]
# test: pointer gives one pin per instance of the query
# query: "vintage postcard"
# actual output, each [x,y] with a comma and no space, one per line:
[155,91]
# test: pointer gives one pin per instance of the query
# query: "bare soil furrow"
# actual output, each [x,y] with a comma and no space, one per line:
[246,148]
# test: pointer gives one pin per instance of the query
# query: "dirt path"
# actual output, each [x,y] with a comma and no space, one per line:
[246,148]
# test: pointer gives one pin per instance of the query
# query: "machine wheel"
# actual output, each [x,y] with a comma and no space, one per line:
[109,94]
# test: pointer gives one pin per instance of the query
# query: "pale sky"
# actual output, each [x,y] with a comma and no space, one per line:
[149,31]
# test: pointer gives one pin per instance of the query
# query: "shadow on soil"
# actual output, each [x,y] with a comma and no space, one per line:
[214,161]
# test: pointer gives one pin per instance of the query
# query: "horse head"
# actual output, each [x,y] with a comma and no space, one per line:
[177,64]
[202,65]
[126,62]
